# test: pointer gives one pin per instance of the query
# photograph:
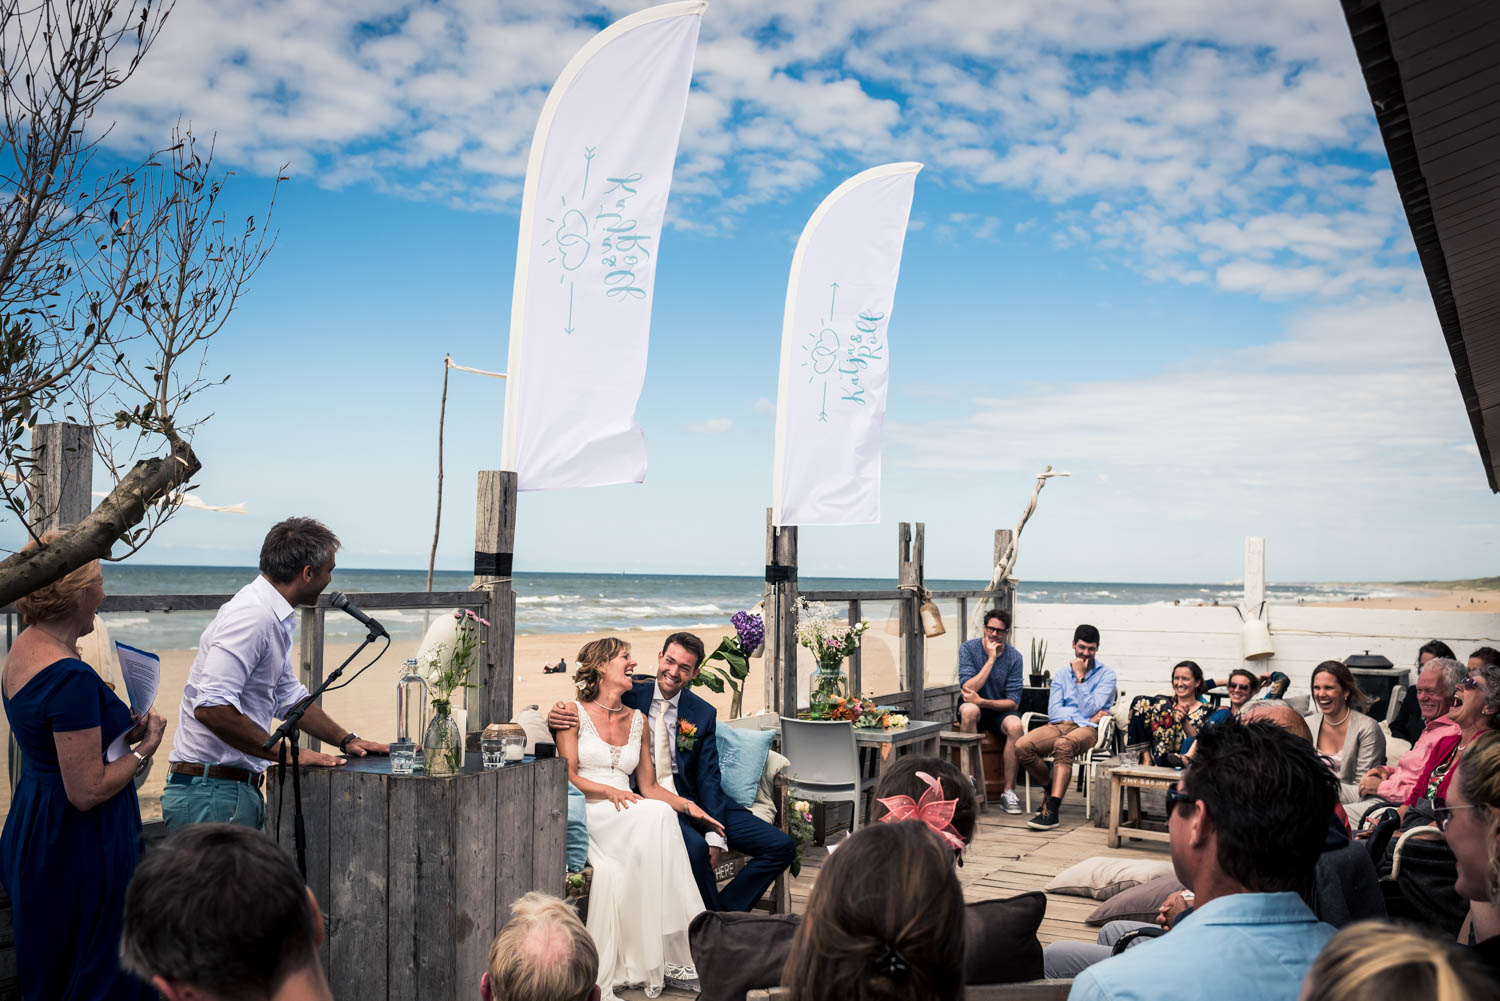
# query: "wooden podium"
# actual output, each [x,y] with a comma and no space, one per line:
[416,875]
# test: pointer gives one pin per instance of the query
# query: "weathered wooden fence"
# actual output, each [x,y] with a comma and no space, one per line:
[913,694]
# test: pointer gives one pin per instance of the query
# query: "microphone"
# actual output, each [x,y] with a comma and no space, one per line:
[341,601]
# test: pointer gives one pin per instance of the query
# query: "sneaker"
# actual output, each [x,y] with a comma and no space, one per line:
[1044,821]
[1010,802]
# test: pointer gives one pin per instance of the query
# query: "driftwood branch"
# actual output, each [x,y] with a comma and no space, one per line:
[150,482]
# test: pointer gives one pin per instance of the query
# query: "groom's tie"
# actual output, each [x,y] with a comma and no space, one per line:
[663,749]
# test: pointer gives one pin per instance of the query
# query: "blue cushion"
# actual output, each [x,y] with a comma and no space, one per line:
[578,831]
[742,761]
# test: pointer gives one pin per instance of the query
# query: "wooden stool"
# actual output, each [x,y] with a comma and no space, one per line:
[964,751]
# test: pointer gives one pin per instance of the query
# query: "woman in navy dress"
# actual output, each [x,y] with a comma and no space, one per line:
[74,831]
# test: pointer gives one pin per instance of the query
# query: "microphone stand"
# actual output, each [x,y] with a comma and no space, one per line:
[290,731]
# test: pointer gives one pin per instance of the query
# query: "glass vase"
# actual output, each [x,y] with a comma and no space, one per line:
[443,746]
[412,697]
[825,686]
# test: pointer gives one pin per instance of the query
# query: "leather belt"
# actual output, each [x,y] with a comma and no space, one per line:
[253,779]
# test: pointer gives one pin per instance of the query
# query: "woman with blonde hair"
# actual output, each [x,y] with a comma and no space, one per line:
[1470,821]
[643,894]
[1377,961]
[73,834]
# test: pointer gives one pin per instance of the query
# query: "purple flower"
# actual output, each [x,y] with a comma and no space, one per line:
[752,630]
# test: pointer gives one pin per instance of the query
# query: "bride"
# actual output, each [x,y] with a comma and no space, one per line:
[643,894]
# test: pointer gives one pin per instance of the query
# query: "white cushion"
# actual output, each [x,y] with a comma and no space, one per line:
[535,725]
[764,806]
[1103,877]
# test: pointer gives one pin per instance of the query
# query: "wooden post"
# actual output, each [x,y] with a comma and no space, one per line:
[913,638]
[59,492]
[1255,574]
[781,618]
[62,481]
[1008,603]
[310,657]
[494,550]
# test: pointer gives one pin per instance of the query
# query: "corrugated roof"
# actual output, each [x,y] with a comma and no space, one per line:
[1433,71]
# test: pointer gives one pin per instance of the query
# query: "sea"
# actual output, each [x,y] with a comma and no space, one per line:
[588,602]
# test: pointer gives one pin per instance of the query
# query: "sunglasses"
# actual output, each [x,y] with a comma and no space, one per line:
[1470,682]
[1443,813]
[1238,688]
[1176,796]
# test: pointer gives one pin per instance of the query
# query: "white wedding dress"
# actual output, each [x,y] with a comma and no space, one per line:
[643,895]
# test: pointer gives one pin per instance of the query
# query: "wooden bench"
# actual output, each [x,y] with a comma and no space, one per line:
[1128,781]
[1026,990]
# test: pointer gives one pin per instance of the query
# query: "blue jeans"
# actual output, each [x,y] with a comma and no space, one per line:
[197,799]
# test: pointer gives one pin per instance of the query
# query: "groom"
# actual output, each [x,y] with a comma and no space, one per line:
[686,753]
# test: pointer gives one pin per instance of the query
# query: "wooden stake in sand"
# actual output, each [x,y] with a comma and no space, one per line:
[1005,561]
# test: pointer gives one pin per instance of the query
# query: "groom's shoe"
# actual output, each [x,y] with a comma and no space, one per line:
[684,985]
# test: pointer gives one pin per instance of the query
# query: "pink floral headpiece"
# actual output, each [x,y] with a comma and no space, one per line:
[932,809]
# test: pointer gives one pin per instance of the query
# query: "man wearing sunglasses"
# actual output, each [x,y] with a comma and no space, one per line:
[989,680]
[1247,825]
[1386,786]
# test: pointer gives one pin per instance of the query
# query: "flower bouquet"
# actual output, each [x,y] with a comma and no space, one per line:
[864,714]
[445,673]
[733,656]
[800,827]
[831,640]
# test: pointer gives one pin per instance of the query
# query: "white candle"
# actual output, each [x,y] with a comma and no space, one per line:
[514,752]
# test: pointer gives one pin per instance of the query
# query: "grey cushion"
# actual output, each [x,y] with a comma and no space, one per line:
[1139,903]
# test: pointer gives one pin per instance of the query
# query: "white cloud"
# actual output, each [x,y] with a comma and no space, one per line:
[765,407]
[715,425]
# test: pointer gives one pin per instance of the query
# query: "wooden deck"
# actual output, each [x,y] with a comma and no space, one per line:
[1008,858]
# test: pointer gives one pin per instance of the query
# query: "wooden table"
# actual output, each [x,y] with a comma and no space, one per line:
[1132,779]
[417,873]
[917,736]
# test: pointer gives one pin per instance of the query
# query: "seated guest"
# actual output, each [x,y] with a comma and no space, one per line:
[885,921]
[1242,686]
[1385,786]
[1409,722]
[1476,710]
[1484,655]
[989,680]
[1247,825]
[217,912]
[934,791]
[1375,961]
[1352,741]
[1470,821]
[542,954]
[1081,697]
[1170,723]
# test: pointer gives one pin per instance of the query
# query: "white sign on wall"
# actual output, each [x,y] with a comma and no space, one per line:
[590,238]
[835,351]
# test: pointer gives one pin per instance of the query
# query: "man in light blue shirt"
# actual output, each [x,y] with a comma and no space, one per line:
[1081,697]
[1247,824]
[989,682]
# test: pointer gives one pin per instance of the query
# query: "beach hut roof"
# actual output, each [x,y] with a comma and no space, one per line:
[1433,72]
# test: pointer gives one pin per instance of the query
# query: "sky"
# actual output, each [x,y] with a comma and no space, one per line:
[1156,244]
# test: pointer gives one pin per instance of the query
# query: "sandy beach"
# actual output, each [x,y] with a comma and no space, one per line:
[1432,600]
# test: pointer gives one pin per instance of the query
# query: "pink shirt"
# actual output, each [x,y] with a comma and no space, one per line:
[1409,769]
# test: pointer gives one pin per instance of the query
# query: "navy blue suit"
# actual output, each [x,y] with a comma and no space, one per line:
[697,779]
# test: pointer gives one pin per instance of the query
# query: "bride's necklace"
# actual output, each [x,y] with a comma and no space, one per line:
[611,709]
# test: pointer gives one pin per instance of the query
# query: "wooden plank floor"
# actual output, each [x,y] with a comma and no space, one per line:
[1008,858]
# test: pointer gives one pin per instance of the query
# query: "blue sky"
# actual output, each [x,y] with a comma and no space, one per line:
[1155,244]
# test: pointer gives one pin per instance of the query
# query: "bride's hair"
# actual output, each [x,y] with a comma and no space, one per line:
[899,937]
[591,661]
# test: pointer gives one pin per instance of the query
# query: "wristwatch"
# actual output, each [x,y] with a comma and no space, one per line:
[344,743]
[141,761]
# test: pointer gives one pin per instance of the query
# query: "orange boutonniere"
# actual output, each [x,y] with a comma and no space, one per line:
[687,735]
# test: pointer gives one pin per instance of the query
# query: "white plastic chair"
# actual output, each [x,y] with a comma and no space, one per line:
[825,762]
[1084,765]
